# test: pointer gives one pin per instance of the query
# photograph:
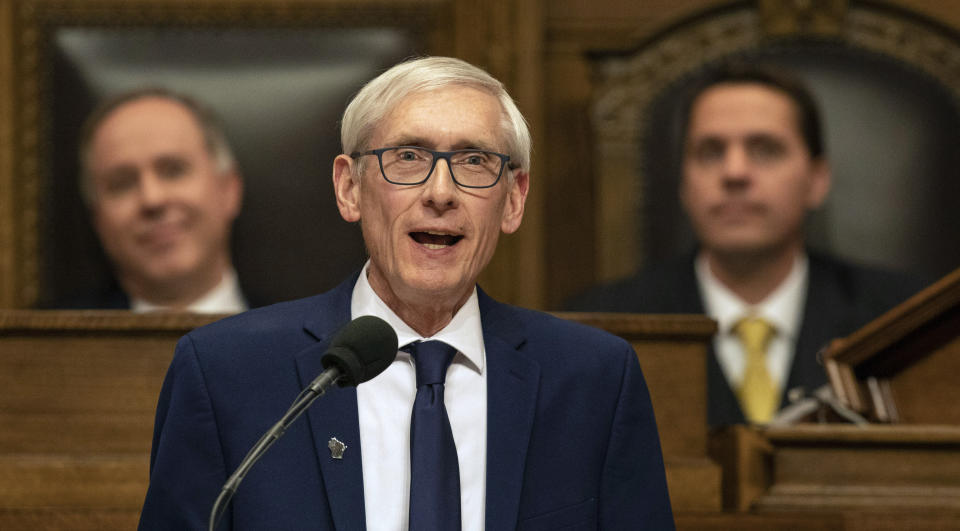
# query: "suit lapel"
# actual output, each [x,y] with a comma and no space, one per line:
[334,414]
[825,315]
[513,382]
[512,387]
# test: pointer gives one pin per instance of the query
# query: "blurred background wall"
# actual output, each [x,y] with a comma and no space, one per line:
[595,79]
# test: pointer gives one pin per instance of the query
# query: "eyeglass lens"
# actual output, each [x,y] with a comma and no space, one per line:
[405,165]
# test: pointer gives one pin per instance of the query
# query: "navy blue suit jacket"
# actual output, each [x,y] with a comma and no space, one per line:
[571,441]
[841,298]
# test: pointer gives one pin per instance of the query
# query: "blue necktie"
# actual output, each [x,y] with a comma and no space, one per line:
[434,470]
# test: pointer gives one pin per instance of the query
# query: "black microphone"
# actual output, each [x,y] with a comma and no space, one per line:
[362,349]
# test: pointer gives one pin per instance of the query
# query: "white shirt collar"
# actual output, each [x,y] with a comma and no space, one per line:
[225,297]
[464,332]
[783,308]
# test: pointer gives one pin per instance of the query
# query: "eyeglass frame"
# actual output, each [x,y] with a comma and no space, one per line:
[445,155]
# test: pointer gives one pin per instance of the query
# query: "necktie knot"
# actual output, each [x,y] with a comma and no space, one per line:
[755,333]
[431,359]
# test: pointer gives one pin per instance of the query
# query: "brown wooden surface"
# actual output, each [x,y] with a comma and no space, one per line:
[69,519]
[873,520]
[743,454]
[76,414]
[913,350]
[912,470]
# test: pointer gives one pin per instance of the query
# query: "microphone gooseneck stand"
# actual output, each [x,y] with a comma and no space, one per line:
[315,390]
[362,349]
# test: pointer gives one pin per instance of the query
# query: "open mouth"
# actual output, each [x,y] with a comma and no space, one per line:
[435,240]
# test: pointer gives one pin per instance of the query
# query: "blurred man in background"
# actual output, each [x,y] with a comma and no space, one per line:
[754,167]
[163,191]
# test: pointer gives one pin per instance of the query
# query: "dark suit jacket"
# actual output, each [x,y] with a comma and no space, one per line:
[840,299]
[571,438]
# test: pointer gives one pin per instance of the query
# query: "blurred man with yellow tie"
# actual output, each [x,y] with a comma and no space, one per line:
[754,166]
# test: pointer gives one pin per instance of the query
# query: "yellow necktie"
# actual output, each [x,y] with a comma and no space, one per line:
[759,396]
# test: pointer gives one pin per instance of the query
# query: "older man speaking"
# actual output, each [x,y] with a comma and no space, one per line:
[490,417]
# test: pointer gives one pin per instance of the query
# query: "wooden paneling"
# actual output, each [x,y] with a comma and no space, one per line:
[8,215]
[906,469]
[76,414]
[505,37]
[95,482]
[837,477]
[872,520]
[566,171]
[69,519]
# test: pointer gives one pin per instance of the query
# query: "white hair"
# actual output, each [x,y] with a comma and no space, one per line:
[378,97]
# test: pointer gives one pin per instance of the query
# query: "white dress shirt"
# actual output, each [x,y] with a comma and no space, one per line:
[783,308]
[385,405]
[225,297]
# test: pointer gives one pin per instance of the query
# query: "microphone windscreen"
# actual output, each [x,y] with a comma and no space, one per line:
[362,349]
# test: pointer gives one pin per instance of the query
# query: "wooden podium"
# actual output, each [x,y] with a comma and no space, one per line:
[79,391]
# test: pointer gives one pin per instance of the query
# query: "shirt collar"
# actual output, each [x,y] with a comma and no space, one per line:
[783,308]
[225,297]
[464,332]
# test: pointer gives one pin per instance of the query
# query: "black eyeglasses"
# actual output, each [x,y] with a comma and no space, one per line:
[409,165]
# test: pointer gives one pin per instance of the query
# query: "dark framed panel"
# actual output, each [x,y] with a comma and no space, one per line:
[279,74]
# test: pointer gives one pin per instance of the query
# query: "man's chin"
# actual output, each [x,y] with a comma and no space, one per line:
[169,273]
[745,249]
[437,284]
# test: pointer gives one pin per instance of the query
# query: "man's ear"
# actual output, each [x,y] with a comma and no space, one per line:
[516,199]
[346,186]
[820,181]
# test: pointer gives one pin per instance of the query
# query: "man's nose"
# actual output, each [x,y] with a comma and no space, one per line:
[736,165]
[440,189]
[153,191]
